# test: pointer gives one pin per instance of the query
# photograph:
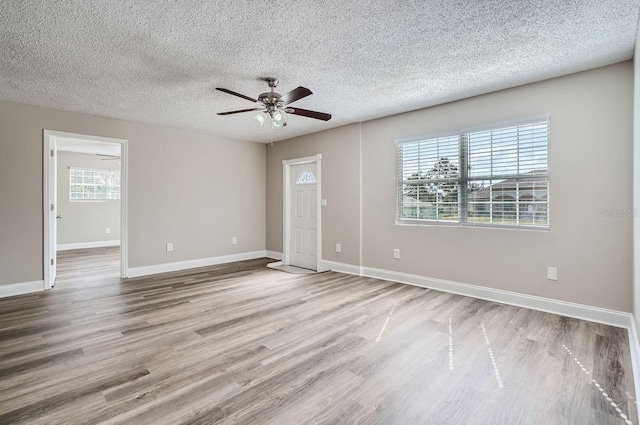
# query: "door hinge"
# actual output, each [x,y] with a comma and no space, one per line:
[52,261]
[51,207]
[51,153]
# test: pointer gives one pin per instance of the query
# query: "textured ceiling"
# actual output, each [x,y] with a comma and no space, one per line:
[158,61]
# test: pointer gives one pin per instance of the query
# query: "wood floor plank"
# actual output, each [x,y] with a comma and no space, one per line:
[241,343]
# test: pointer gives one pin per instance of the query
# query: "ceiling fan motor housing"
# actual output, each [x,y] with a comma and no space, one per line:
[271,99]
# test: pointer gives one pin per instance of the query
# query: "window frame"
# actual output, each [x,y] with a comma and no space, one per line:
[464,179]
[109,188]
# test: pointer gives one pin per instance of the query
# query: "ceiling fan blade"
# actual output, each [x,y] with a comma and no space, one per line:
[310,114]
[239,111]
[236,94]
[295,94]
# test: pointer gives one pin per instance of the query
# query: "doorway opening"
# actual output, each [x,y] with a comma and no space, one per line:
[85,197]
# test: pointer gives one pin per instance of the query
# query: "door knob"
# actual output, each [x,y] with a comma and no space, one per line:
[59,217]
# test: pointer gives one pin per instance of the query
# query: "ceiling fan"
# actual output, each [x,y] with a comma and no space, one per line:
[275,105]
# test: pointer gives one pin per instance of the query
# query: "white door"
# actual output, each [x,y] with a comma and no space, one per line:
[53,209]
[303,213]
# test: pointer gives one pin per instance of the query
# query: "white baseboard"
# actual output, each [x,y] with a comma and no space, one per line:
[192,264]
[579,311]
[86,245]
[340,267]
[21,288]
[563,308]
[273,254]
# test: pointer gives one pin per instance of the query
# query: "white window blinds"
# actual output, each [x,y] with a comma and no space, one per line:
[428,186]
[502,170]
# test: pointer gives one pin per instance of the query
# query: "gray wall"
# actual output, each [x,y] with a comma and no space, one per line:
[85,221]
[195,190]
[198,191]
[590,170]
[340,149]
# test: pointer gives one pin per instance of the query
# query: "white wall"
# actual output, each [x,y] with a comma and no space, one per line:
[591,167]
[85,221]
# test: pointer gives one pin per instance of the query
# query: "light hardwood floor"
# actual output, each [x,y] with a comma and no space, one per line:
[244,344]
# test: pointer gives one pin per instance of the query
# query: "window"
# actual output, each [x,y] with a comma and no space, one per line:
[493,176]
[306,177]
[94,184]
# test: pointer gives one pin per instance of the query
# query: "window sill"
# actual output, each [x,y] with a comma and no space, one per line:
[429,223]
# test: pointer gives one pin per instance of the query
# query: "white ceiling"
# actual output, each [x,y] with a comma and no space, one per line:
[159,61]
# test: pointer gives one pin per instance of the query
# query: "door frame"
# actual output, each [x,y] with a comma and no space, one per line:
[48,177]
[286,212]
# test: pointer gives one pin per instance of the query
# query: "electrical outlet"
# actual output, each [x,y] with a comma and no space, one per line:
[338,247]
[107,231]
[234,240]
[396,253]
[169,247]
[552,273]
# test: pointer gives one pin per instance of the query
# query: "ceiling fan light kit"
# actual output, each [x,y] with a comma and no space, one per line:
[260,118]
[278,119]
[274,105]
